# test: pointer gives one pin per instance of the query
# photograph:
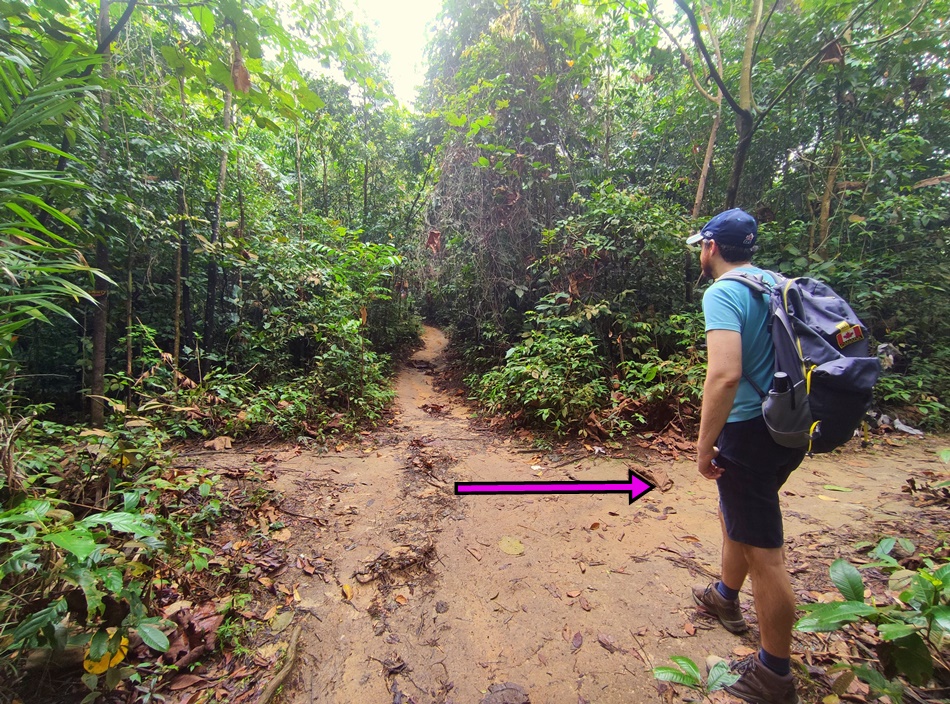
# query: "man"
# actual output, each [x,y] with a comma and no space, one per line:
[736,450]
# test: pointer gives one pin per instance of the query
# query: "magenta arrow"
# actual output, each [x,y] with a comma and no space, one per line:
[636,486]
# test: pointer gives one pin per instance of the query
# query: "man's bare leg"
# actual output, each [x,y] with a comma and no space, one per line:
[735,565]
[774,598]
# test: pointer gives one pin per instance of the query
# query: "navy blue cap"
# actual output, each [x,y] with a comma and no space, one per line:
[734,228]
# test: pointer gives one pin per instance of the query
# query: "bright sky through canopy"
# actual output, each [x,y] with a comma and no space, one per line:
[400,29]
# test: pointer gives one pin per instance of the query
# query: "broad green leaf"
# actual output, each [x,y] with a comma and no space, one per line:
[98,644]
[893,631]
[847,579]
[830,617]
[79,542]
[38,620]
[136,523]
[153,638]
[941,617]
[688,666]
[908,656]
[671,674]
[720,676]
[204,17]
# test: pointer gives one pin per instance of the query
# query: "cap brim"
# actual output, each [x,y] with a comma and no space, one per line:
[693,239]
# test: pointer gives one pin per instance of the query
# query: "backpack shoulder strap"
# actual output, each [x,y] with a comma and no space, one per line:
[754,281]
[758,284]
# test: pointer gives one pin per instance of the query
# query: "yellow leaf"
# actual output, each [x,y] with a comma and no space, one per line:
[400,599]
[511,546]
[98,667]
[826,498]
[347,592]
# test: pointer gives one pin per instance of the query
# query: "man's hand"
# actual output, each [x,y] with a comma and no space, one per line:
[706,464]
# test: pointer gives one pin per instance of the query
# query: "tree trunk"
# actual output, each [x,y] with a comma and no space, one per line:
[824,214]
[707,163]
[299,180]
[100,321]
[209,331]
[744,123]
[176,348]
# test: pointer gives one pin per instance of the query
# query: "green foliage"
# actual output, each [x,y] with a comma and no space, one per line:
[687,673]
[913,630]
[554,377]
[39,266]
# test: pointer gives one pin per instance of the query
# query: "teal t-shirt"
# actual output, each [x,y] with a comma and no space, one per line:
[731,305]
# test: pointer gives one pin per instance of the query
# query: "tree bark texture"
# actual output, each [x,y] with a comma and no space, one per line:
[100,319]
[209,331]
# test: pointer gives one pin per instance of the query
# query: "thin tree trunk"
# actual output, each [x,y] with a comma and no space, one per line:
[299,181]
[209,331]
[824,214]
[130,284]
[100,320]
[176,348]
[365,190]
[738,162]
[707,162]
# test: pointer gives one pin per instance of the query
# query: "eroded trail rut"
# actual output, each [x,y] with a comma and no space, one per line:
[410,593]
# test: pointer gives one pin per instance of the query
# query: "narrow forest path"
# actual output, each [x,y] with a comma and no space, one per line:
[409,593]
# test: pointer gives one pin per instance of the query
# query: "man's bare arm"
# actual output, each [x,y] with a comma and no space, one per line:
[723,373]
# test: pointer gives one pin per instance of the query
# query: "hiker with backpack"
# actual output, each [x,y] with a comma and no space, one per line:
[789,373]
[736,449]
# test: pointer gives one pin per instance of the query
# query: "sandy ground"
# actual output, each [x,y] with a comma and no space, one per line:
[418,597]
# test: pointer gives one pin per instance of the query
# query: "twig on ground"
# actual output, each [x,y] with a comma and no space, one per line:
[278,680]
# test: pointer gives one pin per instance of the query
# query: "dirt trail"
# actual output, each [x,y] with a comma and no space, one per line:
[440,612]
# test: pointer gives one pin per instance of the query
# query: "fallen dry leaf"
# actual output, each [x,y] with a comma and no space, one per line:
[271,612]
[574,593]
[511,546]
[400,599]
[690,629]
[282,535]
[185,681]
[608,643]
[222,442]
[281,621]
[475,553]
[347,592]
[584,604]
[577,641]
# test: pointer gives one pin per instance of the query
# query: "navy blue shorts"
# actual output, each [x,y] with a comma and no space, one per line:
[754,469]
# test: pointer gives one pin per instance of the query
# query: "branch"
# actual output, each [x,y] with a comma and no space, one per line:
[758,40]
[698,39]
[684,57]
[886,37]
[808,64]
[100,50]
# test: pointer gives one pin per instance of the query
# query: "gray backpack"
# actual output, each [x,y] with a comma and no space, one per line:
[823,349]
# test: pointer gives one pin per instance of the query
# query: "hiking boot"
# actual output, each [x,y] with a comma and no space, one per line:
[727,611]
[760,685]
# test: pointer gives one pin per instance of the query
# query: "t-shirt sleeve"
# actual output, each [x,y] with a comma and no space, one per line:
[721,308]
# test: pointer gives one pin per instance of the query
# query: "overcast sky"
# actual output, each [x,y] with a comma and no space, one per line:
[400,27]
